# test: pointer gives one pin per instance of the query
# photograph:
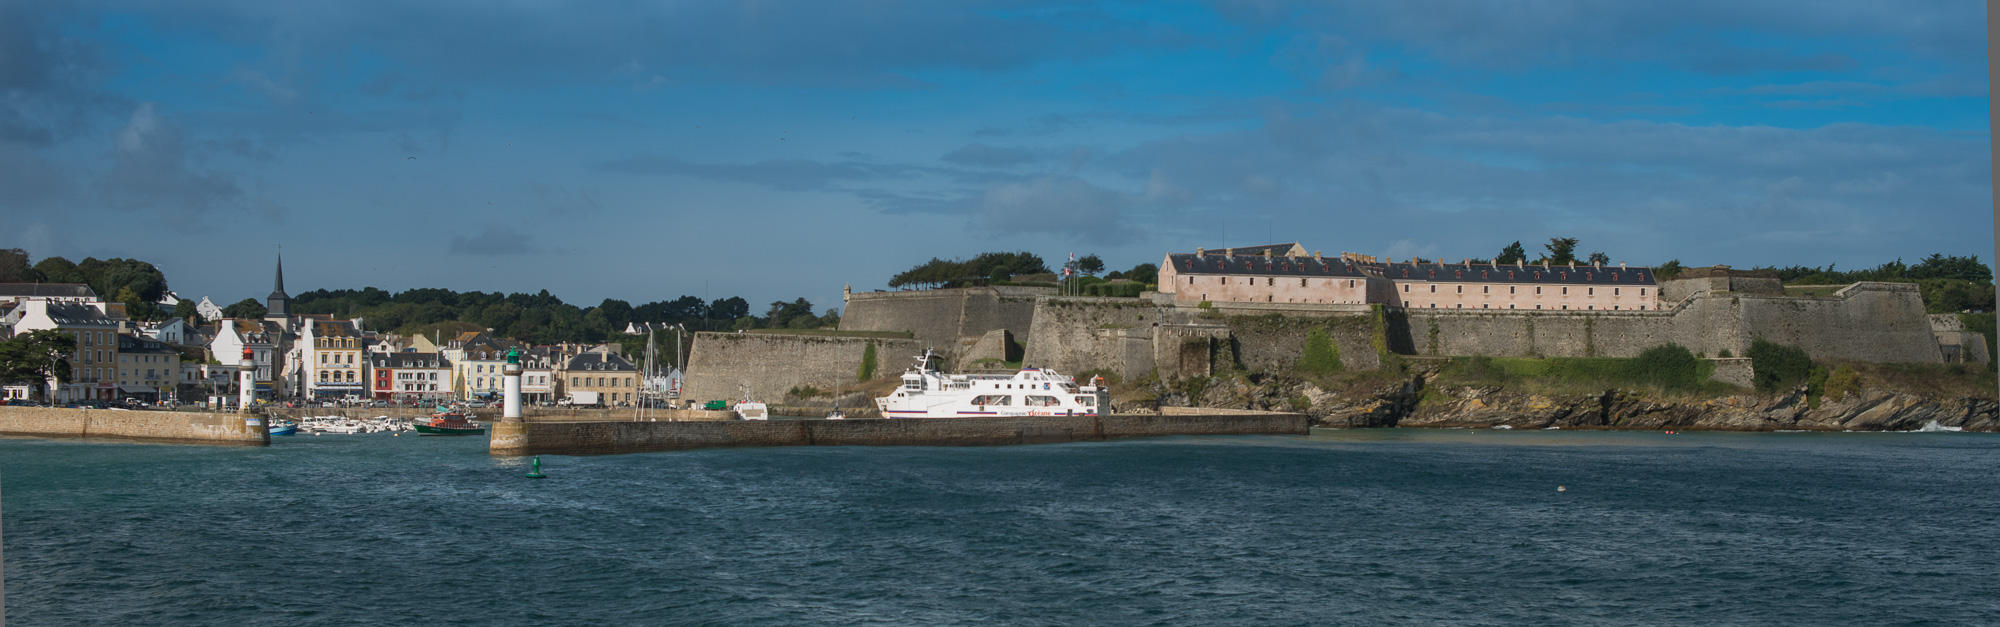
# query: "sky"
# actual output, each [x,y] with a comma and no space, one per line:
[777,150]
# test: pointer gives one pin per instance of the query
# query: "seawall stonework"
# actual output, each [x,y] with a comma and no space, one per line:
[631,437]
[720,364]
[159,426]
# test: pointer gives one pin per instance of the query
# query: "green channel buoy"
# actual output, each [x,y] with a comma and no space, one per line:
[535,471]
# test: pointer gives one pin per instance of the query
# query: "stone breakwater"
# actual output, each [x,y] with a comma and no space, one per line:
[156,426]
[587,438]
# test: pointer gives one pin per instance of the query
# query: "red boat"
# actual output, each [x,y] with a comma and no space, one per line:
[453,423]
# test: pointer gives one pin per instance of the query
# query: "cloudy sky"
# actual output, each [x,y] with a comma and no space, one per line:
[645,150]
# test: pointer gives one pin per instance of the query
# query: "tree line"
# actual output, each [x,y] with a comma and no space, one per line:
[1006,268]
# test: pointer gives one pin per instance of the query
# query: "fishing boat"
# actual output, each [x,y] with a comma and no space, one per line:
[284,427]
[447,422]
[928,393]
[747,409]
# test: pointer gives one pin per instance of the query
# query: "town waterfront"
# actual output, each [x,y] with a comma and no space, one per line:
[1339,527]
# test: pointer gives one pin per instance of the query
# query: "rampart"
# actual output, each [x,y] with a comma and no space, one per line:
[155,426]
[589,438]
[770,364]
[1876,322]
[944,319]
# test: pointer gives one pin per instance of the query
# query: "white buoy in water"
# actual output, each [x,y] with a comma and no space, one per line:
[1562,488]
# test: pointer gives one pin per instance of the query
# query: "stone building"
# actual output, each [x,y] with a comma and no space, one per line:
[1286,273]
[614,379]
[330,363]
[147,369]
[403,376]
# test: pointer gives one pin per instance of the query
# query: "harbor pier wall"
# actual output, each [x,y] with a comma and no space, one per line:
[157,426]
[596,438]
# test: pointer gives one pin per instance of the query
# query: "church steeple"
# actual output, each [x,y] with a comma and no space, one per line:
[278,302]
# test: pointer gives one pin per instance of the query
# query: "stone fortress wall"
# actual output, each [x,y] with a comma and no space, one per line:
[721,364]
[1875,322]
[951,321]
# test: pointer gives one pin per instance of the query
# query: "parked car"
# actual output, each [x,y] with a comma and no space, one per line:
[379,404]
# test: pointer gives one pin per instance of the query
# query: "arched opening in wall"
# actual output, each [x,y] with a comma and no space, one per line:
[1459,306]
[1590,307]
[1510,306]
[1565,306]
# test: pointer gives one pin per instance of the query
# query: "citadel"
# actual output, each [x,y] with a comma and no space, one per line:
[1252,308]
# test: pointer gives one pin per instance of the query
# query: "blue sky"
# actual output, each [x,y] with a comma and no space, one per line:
[645,150]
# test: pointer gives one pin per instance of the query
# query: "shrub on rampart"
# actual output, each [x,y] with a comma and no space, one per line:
[1775,366]
[1321,355]
[1668,366]
[867,363]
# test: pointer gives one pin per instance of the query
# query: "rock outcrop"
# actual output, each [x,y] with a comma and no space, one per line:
[1419,403]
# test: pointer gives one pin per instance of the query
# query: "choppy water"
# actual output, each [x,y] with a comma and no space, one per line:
[1357,527]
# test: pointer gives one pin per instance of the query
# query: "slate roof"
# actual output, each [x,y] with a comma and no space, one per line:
[71,313]
[1509,273]
[1259,265]
[47,290]
[408,360]
[1276,250]
[599,362]
[334,329]
[134,344]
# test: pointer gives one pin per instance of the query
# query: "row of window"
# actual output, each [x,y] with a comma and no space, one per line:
[336,358]
[1031,400]
[1511,306]
[1488,289]
[582,381]
[1274,282]
[335,342]
[336,378]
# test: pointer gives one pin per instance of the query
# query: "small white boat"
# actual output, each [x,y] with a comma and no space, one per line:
[751,410]
[836,415]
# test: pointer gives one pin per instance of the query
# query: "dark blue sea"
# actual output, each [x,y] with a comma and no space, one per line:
[1364,527]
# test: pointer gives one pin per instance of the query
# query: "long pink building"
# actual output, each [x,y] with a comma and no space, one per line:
[1286,273]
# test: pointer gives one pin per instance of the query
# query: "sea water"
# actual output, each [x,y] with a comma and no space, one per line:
[1357,527]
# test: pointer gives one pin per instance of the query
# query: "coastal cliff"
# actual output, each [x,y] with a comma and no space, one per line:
[1425,398]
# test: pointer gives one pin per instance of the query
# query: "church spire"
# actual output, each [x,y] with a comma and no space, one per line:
[278,303]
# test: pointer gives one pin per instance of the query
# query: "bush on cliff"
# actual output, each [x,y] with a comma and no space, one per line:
[1775,367]
[1844,382]
[1321,355]
[1670,366]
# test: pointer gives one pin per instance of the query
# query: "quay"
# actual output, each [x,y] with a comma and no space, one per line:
[153,426]
[510,437]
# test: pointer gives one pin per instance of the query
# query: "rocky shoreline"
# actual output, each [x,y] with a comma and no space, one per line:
[1422,402]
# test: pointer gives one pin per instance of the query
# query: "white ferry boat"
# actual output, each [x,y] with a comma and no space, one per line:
[927,393]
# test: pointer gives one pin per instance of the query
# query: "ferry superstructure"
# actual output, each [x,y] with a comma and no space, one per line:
[928,393]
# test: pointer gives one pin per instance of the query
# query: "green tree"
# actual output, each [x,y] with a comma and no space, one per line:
[59,270]
[1513,253]
[14,267]
[1089,265]
[1144,273]
[1775,367]
[184,309]
[998,275]
[247,308]
[1562,250]
[1599,258]
[1667,271]
[37,357]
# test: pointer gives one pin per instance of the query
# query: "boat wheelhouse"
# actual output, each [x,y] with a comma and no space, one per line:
[928,393]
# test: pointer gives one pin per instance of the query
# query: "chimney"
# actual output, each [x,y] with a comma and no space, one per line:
[1316,255]
[1467,262]
[1521,263]
[1389,260]
[1621,265]
[1200,251]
